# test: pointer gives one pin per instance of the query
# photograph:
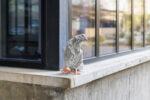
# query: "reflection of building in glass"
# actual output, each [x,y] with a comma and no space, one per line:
[111,40]
[22,38]
[138,24]
[83,22]
[107,26]
[124,25]
[147,22]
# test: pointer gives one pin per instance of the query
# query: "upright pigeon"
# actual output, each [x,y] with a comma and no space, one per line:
[73,55]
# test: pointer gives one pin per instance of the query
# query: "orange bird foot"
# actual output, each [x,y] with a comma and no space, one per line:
[65,70]
[75,72]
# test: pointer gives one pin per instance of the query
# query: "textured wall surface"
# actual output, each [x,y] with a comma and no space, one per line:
[16,91]
[130,84]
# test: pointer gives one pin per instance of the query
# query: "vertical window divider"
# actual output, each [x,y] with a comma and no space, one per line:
[43,29]
[70,18]
[97,37]
[26,37]
[6,14]
[16,16]
[4,20]
[52,34]
[144,22]
[117,26]
[132,24]
[30,15]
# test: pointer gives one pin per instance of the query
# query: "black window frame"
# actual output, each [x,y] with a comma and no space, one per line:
[50,36]
[49,20]
[117,53]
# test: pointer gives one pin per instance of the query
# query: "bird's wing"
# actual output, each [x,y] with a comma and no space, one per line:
[69,53]
[76,62]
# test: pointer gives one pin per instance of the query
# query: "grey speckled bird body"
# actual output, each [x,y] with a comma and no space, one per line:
[73,54]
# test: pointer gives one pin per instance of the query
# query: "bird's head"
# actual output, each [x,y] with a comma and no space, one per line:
[81,38]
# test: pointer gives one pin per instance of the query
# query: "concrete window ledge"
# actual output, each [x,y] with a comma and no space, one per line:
[91,72]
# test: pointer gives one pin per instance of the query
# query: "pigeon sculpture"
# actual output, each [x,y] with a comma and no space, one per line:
[73,55]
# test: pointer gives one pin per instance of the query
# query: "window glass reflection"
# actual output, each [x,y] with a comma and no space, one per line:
[107,26]
[138,24]
[83,22]
[22,38]
[124,25]
[147,25]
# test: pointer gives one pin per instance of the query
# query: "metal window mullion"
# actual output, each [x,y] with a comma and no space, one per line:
[97,37]
[144,23]
[132,24]
[52,34]
[26,19]
[5,26]
[16,16]
[30,19]
[70,19]
[117,26]
[43,30]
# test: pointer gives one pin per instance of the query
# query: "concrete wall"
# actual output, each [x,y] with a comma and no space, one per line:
[130,84]
[16,91]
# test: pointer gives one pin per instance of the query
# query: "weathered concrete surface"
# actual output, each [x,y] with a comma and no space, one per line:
[130,84]
[16,91]
[91,72]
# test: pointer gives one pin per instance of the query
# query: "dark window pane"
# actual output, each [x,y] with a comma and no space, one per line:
[22,39]
[147,25]
[124,25]
[107,26]
[138,24]
[83,22]
[1,37]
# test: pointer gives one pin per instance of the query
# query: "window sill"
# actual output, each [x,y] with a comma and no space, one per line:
[91,72]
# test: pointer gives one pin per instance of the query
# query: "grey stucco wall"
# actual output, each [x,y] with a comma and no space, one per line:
[130,84]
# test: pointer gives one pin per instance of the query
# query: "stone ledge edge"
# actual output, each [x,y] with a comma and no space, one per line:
[91,72]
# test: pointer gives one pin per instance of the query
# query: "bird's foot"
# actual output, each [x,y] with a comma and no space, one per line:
[76,72]
[65,70]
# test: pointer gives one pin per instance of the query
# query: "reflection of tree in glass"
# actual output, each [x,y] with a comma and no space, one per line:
[83,22]
[147,24]
[148,39]
[124,25]
[138,23]
[107,29]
